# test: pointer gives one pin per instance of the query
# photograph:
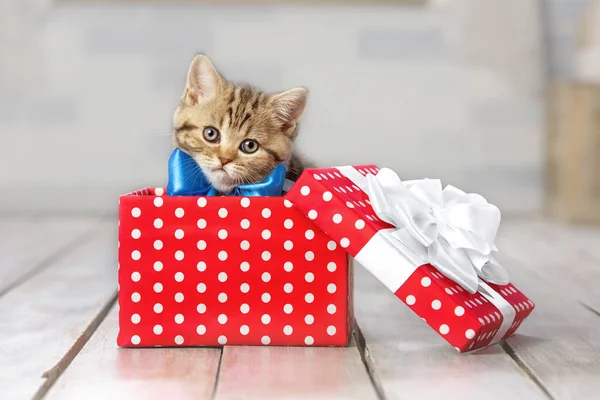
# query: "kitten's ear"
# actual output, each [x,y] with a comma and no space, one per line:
[203,80]
[289,105]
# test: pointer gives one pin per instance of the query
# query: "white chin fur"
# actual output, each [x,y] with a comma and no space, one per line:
[220,181]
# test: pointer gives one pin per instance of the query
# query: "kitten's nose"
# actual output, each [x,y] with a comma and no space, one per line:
[225,160]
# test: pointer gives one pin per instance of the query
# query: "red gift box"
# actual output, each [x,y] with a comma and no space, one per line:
[334,200]
[208,271]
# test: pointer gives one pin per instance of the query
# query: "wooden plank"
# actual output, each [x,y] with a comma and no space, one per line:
[28,246]
[293,373]
[251,3]
[559,343]
[45,321]
[409,360]
[103,371]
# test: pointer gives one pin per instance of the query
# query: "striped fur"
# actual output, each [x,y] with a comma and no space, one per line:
[239,112]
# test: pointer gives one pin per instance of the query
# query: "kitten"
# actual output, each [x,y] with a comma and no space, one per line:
[236,133]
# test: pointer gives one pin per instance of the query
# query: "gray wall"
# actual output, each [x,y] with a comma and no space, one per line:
[428,91]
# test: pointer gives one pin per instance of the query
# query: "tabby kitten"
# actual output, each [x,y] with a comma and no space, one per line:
[236,133]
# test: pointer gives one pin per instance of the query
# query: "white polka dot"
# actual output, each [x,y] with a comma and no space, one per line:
[135,339]
[158,223]
[309,298]
[288,266]
[222,255]
[309,277]
[201,308]
[201,223]
[327,196]
[222,297]
[136,255]
[288,224]
[245,308]
[201,330]
[331,245]
[244,287]
[244,329]
[459,311]
[359,224]
[337,218]
[222,276]
[201,288]
[135,318]
[266,297]
[245,266]
[266,213]
[222,318]
[305,190]
[349,205]
[324,176]
[481,321]
[331,288]
[426,281]
[179,297]
[309,234]
[478,301]
[136,233]
[245,224]
[309,340]
[470,333]
[266,255]
[331,267]
[288,287]
[179,276]
[179,319]
[345,242]
[265,319]
[331,330]
[179,255]
[309,255]
[244,245]
[288,330]
[288,245]
[331,309]
[410,299]
[436,304]
[136,297]
[449,291]
[201,202]
[158,244]
[179,213]
[158,202]
[444,329]
[179,340]
[158,287]
[487,319]
[245,202]
[265,340]
[312,214]
[179,234]
[317,177]
[157,329]
[361,204]
[266,277]
[158,308]
[159,191]
[266,234]
[136,212]
[201,266]
[287,203]
[136,276]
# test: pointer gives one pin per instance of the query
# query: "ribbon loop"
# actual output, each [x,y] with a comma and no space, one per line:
[452,230]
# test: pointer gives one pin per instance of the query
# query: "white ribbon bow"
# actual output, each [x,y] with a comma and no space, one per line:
[452,230]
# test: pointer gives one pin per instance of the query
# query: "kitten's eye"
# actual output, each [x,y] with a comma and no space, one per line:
[211,134]
[249,146]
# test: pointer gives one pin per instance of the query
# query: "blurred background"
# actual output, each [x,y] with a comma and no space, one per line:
[471,91]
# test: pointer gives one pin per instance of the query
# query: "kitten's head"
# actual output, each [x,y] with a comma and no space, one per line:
[236,133]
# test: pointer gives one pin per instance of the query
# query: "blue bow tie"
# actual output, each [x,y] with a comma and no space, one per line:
[187,179]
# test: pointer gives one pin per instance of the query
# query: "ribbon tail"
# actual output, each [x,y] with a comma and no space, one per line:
[454,263]
[493,272]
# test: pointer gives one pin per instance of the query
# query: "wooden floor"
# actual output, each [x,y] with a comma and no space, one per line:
[58,325]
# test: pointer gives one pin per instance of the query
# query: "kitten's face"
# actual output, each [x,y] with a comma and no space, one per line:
[235,133]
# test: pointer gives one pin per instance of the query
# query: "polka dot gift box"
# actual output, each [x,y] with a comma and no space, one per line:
[432,247]
[209,271]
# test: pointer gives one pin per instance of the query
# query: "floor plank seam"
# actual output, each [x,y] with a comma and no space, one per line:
[54,373]
[51,258]
[217,374]
[366,360]
[525,369]
[590,308]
